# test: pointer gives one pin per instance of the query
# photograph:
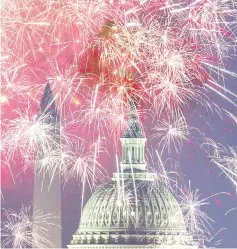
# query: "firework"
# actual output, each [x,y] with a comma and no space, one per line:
[225,158]
[232,209]
[171,133]
[26,132]
[83,163]
[198,223]
[18,232]
[167,55]
[167,51]
[232,116]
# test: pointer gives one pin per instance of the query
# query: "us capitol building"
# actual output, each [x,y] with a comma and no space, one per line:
[131,210]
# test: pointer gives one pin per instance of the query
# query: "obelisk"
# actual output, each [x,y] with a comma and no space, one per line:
[47,190]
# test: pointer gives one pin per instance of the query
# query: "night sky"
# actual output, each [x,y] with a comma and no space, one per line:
[53,51]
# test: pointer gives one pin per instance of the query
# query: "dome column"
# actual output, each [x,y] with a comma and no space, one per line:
[133,153]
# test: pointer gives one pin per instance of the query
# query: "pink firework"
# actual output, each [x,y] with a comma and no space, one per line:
[101,55]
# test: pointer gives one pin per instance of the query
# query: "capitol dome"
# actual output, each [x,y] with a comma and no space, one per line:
[131,210]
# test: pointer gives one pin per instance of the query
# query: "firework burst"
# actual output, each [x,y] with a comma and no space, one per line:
[27,132]
[197,221]
[171,134]
[19,230]
[83,163]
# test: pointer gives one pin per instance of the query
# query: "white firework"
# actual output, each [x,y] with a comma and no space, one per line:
[26,134]
[22,230]
[171,134]
[82,164]
[225,158]
[197,221]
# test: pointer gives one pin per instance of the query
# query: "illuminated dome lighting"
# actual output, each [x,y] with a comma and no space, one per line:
[128,211]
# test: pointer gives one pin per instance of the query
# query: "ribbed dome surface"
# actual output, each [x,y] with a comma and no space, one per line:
[131,212]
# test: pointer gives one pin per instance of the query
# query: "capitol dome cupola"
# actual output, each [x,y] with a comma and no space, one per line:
[133,145]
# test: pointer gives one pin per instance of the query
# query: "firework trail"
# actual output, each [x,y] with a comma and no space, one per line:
[232,209]
[225,158]
[232,116]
